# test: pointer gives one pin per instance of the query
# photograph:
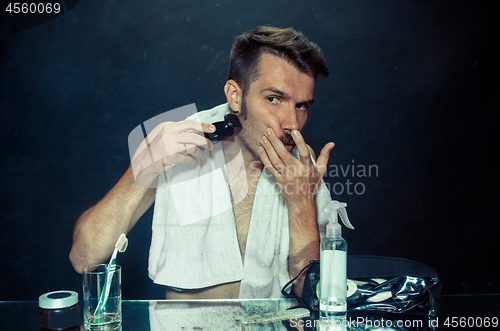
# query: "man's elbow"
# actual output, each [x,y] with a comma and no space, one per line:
[80,260]
[76,261]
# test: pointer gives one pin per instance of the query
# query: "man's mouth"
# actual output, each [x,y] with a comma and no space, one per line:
[287,140]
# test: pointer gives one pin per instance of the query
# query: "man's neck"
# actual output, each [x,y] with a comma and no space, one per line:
[253,165]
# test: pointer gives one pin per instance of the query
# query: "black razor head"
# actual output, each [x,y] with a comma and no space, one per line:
[233,121]
[224,129]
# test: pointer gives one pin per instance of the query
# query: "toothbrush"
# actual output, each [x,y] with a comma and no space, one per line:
[120,246]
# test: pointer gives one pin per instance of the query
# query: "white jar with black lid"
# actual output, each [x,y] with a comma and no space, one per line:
[59,310]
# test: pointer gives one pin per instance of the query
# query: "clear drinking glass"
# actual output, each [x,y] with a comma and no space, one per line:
[102,304]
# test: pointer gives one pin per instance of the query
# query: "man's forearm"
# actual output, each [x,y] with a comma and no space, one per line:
[97,230]
[304,241]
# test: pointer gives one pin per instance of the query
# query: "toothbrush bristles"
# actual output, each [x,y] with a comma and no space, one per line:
[121,243]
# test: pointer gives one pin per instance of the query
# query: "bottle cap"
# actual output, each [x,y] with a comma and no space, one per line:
[332,209]
[58,299]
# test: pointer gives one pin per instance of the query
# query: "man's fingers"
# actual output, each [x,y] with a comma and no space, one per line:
[267,163]
[193,126]
[196,139]
[279,153]
[193,150]
[188,143]
[323,158]
[272,159]
[304,154]
[207,127]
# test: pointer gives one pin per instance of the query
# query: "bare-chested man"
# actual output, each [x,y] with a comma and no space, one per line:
[271,85]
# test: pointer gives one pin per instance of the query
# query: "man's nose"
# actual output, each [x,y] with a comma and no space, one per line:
[289,119]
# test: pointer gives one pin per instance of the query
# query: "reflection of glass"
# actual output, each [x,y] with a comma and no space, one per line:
[110,317]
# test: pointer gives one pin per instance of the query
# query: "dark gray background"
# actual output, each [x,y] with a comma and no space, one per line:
[414,90]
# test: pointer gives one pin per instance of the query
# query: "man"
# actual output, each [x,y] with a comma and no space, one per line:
[271,85]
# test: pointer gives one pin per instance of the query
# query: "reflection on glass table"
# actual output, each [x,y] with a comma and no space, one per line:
[238,315]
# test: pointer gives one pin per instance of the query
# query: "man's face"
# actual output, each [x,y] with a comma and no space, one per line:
[279,99]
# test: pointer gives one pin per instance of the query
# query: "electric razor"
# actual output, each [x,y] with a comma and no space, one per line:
[224,129]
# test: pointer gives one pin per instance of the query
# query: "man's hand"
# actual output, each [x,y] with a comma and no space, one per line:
[168,144]
[298,180]
[97,229]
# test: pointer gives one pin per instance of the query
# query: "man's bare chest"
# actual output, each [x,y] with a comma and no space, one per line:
[243,216]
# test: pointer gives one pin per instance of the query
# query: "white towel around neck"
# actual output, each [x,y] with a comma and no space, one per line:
[194,242]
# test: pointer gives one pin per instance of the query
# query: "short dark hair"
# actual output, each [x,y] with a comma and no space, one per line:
[289,44]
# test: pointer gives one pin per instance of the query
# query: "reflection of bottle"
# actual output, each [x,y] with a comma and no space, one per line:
[325,325]
[333,266]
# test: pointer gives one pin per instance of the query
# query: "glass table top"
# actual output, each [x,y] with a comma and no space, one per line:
[159,315]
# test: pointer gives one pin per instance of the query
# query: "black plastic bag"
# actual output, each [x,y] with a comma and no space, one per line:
[382,285]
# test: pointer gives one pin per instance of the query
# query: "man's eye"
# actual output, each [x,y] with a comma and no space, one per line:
[302,106]
[273,100]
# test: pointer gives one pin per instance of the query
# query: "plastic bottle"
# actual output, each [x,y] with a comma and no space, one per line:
[333,266]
